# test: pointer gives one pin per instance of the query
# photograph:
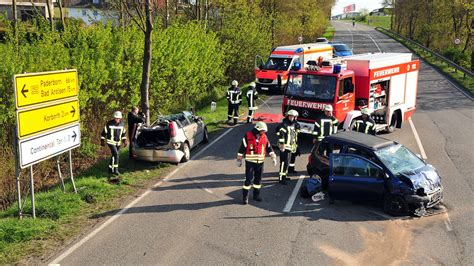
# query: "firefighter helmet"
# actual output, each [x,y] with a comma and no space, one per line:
[252,85]
[328,107]
[261,126]
[118,114]
[234,83]
[292,112]
[365,111]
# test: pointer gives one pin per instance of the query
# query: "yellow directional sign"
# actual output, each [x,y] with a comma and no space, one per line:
[36,88]
[37,120]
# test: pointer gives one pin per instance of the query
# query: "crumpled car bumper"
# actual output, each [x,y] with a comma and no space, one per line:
[156,155]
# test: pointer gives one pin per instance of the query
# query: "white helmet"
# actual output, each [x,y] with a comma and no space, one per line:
[261,126]
[365,111]
[252,84]
[235,83]
[118,114]
[328,107]
[292,112]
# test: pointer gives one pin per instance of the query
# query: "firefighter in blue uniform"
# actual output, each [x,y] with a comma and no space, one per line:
[253,147]
[287,133]
[364,123]
[326,125]
[252,96]
[114,135]
[234,98]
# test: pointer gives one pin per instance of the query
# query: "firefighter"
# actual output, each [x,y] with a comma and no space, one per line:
[252,96]
[253,147]
[234,97]
[364,123]
[134,118]
[287,133]
[325,126]
[114,135]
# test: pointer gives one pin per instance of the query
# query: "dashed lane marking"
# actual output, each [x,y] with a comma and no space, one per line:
[292,198]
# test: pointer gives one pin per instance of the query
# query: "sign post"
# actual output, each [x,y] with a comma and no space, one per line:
[47,111]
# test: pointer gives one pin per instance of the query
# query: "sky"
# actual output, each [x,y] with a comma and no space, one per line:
[359,4]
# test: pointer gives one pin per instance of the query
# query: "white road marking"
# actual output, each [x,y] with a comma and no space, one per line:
[131,204]
[292,198]
[208,191]
[417,138]
[376,44]
[447,222]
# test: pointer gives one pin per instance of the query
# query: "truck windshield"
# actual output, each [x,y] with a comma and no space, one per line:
[277,64]
[311,87]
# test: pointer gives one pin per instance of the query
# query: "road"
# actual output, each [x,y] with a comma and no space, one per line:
[194,215]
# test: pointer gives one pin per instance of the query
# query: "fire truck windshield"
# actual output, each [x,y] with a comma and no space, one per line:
[311,87]
[277,64]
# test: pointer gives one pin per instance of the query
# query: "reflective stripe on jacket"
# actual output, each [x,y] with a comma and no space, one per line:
[113,133]
[326,126]
[288,134]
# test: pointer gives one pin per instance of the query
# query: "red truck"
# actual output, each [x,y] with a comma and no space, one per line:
[384,82]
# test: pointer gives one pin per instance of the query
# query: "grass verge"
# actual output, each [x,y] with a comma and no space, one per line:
[62,216]
[466,82]
[329,33]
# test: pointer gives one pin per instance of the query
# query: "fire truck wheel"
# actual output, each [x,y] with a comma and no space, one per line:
[393,123]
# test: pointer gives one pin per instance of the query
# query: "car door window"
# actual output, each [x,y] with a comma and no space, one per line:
[354,166]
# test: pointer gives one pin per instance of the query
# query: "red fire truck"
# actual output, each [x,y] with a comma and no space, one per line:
[280,60]
[384,82]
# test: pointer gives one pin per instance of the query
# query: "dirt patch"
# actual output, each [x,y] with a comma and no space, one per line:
[387,247]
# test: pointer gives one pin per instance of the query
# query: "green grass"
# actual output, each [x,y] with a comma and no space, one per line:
[61,216]
[378,21]
[329,33]
[466,82]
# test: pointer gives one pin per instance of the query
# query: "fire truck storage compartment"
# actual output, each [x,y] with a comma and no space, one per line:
[378,100]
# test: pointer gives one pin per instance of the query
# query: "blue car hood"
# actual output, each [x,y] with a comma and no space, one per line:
[426,178]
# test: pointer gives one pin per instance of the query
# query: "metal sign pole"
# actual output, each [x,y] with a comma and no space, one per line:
[70,171]
[60,174]
[32,188]
[17,174]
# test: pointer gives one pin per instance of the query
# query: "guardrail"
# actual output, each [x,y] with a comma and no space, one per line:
[457,67]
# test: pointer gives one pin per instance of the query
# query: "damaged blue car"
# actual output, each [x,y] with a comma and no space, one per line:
[358,166]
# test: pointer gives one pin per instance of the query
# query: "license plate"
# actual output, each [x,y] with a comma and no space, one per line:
[264,88]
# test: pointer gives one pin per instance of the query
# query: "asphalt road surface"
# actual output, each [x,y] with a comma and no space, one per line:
[194,216]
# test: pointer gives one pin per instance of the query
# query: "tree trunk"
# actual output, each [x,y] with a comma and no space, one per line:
[50,13]
[61,13]
[145,85]
[14,15]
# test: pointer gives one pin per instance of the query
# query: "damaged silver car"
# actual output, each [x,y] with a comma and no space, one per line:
[170,138]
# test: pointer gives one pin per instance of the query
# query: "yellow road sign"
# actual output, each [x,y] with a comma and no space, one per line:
[37,120]
[35,88]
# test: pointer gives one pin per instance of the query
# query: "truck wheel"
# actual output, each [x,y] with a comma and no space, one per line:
[393,122]
[395,205]
[187,152]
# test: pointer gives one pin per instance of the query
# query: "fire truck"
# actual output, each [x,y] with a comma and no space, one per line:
[280,60]
[386,83]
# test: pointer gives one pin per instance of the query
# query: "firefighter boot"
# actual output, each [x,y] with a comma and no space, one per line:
[283,180]
[256,195]
[245,193]
[291,170]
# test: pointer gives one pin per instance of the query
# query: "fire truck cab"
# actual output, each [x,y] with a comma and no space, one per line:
[384,82]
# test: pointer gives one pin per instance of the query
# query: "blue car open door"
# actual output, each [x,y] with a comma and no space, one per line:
[354,177]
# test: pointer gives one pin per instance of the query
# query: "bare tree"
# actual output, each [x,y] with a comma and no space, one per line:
[141,15]
[14,13]
[61,13]
[49,7]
